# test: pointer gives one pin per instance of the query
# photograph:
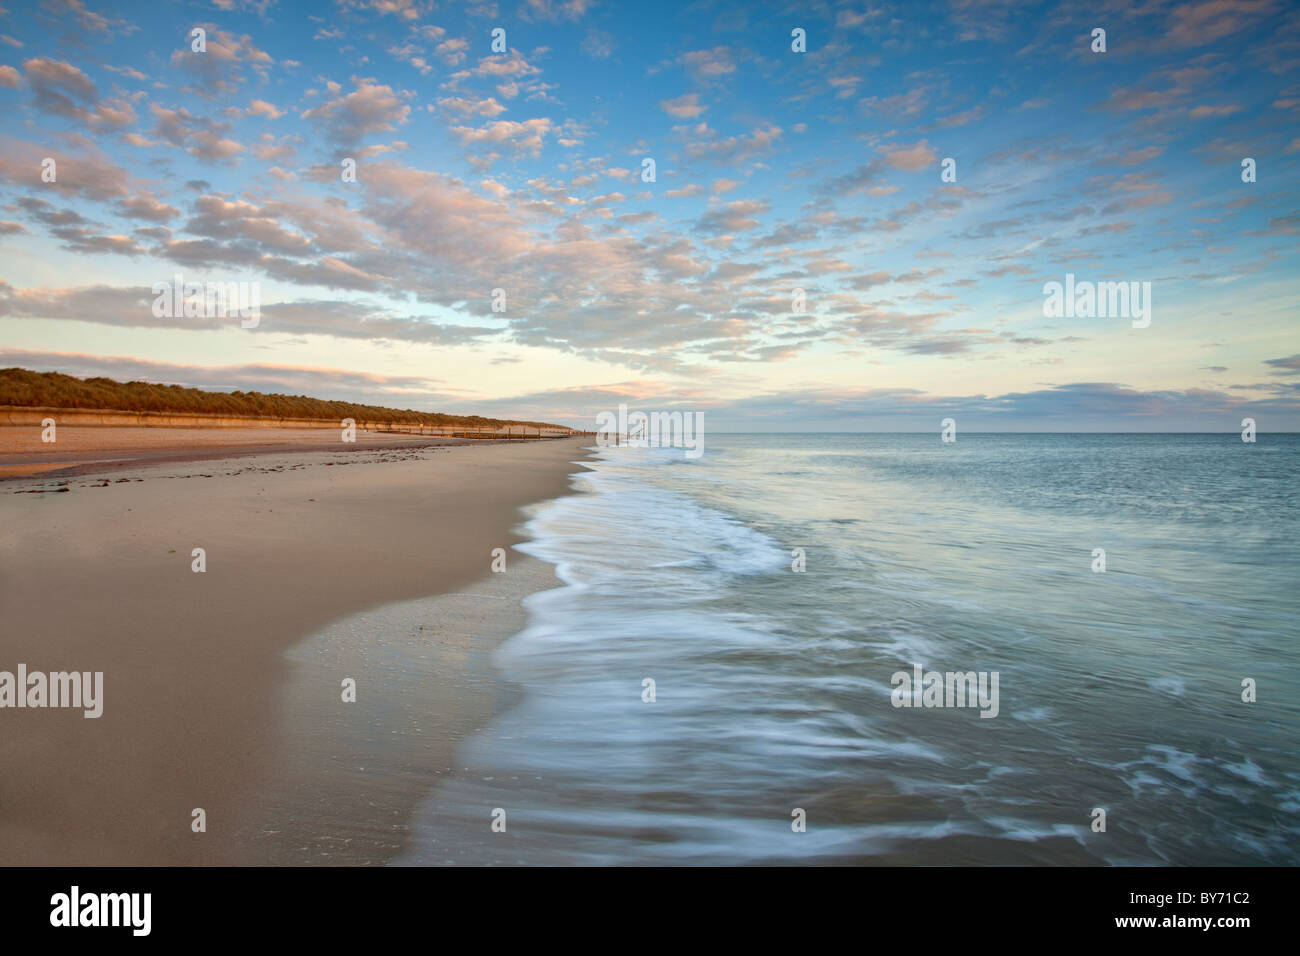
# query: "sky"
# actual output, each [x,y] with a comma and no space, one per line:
[851,236]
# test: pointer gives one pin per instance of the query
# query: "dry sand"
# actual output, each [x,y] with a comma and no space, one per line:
[222,689]
[91,450]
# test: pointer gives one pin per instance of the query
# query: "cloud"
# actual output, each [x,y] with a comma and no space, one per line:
[81,174]
[269,151]
[731,217]
[1198,24]
[103,304]
[598,44]
[962,118]
[854,181]
[788,234]
[556,9]
[526,136]
[401,9]
[1139,156]
[683,107]
[707,65]
[409,53]
[44,212]
[911,159]
[145,205]
[735,149]
[219,69]
[900,106]
[470,106]
[86,18]
[217,218]
[199,136]
[1285,366]
[370,108]
[1201,112]
[133,307]
[511,73]
[451,51]
[263,108]
[64,90]
[85,242]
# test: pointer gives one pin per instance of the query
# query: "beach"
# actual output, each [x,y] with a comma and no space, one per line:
[686,661]
[82,449]
[223,690]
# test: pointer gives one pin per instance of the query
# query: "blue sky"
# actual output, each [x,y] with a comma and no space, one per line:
[775,170]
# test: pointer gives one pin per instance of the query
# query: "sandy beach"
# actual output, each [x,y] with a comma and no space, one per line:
[83,450]
[222,688]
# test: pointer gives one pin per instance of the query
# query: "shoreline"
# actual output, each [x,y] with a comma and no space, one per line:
[204,696]
[363,771]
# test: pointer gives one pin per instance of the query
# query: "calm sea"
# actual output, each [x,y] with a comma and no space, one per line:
[1118,691]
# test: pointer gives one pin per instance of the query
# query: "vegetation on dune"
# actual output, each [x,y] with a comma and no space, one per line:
[21,387]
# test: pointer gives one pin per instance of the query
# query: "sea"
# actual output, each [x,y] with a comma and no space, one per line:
[718,677]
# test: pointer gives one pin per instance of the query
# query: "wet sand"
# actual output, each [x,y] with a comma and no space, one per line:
[222,688]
